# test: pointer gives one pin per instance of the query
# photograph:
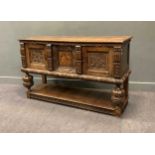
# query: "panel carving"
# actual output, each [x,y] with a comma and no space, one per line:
[98,61]
[37,56]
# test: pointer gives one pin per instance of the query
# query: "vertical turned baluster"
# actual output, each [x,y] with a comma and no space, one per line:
[28,82]
[118,98]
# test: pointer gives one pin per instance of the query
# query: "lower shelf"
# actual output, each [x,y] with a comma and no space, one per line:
[89,99]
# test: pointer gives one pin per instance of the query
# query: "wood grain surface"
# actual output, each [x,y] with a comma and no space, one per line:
[99,39]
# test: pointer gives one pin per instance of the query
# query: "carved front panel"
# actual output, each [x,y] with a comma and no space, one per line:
[97,61]
[36,56]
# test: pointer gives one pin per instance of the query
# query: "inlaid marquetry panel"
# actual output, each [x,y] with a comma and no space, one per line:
[65,58]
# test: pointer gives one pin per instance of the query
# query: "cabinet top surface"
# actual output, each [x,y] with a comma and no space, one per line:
[91,39]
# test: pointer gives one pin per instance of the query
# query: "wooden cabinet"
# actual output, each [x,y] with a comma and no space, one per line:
[102,59]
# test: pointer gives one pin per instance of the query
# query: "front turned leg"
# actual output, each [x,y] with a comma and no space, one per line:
[118,98]
[28,83]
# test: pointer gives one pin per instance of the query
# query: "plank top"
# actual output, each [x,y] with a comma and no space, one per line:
[87,39]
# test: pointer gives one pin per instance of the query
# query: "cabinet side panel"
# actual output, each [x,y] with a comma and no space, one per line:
[78,59]
[97,61]
[125,59]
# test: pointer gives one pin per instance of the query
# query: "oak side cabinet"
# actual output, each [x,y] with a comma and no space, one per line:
[100,59]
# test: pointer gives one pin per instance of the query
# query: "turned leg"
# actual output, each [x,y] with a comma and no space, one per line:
[44,79]
[118,98]
[28,82]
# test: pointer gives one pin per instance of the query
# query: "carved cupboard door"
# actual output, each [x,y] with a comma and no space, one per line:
[36,56]
[97,61]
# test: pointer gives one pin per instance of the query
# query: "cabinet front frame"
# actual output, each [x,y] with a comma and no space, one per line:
[84,47]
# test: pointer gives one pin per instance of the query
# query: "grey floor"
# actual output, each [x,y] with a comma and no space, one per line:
[19,114]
